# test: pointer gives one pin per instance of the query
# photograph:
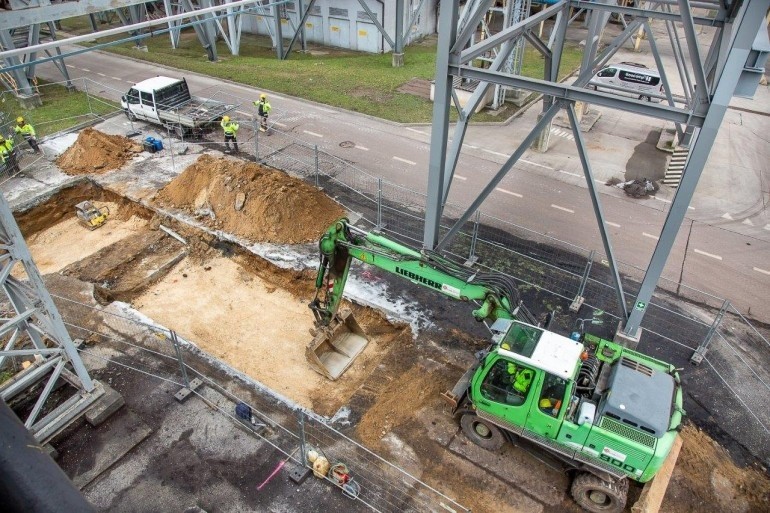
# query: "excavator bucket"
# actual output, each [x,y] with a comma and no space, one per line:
[336,346]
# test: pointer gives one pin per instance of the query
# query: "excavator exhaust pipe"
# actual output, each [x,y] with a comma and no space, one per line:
[334,347]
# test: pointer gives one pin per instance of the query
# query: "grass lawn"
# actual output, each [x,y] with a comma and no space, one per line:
[360,82]
[61,109]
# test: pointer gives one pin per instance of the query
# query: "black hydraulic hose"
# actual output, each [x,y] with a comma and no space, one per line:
[31,480]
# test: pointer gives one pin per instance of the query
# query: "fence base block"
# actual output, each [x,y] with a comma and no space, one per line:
[576,303]
[629,341]
[183,394]
[298,474]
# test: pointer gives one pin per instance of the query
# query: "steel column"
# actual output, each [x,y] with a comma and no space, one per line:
[19,76]
[398,50]
[750,18]
[440,131]
[278,39]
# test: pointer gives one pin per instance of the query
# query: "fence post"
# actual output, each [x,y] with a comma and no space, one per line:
[472,257]
[302,446]
[316,167]
[700,352]
[189,386]
[256,140]
[579,297]
[380,225]
[88,96]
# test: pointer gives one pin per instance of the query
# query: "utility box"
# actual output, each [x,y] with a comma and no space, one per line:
[754,68]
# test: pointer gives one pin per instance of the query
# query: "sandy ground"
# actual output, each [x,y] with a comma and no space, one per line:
[69,241]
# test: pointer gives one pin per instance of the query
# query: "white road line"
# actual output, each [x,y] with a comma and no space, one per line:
[243,113]
[362,148]
[101,74]
[568,173]
[565,209]
[326,110]
[650,236]
[748,222]
[708,254]
[727,216]
[415,130]
[690,208]
[767,227]
[460,177]
[661,199]
[504,191]
[616,225]
[494,152]
[116,78]
[405,161]
[471,146]
[276,123]
[762,271]
[535,164]
[312,133]
[83,69]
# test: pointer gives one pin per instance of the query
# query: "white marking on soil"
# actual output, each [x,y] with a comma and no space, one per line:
[563,209]
[710,255]
[505,191]
[761,271]
[650,236]
[405,161]
[312,133]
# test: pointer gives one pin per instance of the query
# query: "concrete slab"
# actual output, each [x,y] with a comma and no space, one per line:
[105,406]
[124,434]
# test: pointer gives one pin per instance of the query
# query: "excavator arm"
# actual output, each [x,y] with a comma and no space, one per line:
[339,339]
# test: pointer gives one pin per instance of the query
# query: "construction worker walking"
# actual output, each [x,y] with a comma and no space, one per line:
[263,109]
[8,156]
[231,132]
[28,132]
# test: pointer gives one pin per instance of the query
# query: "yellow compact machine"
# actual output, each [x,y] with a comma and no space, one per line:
[90,216]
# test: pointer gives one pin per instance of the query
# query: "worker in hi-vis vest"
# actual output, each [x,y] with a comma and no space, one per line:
[27,131]
[231,132]
[263,109]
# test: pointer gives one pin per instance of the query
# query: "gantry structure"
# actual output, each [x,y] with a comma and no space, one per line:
[709,75]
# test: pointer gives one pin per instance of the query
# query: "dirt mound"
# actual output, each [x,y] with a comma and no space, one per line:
[251,201]
[95,152]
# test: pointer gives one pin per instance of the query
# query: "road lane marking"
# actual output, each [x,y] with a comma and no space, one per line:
[312,133]
[362,148]
[727,216]
[535,164]
[494,152]
[748,222]
[762,271]
[471,146]
[767,227]
[610,223]
[405,161]
[101,74]
[649,235]
[565,209]
[571,174]
[661,199]
[415,130]
[83,69]
[711,255]
[116,78]
[460,177]
[504,191]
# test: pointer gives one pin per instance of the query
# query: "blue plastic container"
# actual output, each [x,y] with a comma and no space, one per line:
[157,144]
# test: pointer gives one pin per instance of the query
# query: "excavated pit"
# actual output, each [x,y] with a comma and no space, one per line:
[232,304]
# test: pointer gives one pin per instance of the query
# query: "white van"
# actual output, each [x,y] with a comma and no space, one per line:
[629,79]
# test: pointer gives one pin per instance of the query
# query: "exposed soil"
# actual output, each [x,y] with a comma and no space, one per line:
[95,152]
[251,201]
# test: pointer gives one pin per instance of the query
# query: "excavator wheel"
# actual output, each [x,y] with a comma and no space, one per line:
[482,433]
[599,496]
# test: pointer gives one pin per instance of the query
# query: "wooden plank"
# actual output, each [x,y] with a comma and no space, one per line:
[654,490]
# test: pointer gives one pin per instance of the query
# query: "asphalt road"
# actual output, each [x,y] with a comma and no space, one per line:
[544,192]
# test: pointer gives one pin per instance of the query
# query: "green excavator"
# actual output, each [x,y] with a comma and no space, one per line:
[608,413]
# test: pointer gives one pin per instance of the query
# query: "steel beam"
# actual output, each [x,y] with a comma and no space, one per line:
[301,28]
[278,39]
[573,93]
[470,25]
[751,17]
[380,28]
[398,50]
[643,13]
[693,47]
[58,11]
[663,74]
[14,65]
[440,131]
[598,211]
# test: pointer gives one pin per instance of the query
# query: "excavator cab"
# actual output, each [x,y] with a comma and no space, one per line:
[334,347]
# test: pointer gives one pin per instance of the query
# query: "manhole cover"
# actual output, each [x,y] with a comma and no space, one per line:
[347,144]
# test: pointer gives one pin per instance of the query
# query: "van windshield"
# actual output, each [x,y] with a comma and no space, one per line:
[638,78]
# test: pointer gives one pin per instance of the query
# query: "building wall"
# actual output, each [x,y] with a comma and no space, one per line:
[345,24]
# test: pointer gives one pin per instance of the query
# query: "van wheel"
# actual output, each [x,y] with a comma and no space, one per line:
[599,496]
[645,98]
[482,433]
